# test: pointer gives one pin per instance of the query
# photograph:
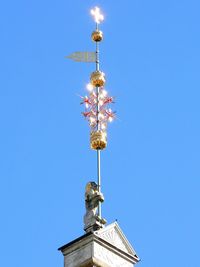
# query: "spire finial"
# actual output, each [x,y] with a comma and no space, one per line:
[98,113]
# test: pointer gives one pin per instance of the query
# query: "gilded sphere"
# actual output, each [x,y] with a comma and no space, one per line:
[98,140]
[97,36]
[97,79]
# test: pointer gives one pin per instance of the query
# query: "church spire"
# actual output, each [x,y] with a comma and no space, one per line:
[98,113]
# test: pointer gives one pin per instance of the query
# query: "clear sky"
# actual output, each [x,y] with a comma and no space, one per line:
[150,170]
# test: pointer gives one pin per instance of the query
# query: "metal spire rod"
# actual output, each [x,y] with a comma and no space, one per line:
[97,112]
[98,128]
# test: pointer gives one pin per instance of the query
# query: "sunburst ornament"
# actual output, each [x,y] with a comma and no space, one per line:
[105,113]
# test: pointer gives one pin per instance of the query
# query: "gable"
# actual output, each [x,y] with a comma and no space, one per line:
[114,235]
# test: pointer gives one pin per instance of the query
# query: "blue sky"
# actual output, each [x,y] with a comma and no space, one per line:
[150,170]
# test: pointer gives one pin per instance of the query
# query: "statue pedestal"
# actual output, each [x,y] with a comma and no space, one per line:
[107,247]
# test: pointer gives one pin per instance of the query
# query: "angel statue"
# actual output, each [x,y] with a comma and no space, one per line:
[92,221]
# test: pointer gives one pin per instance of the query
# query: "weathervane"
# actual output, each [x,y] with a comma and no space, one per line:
[98,113]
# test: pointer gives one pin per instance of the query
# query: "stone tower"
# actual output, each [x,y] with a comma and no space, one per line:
[102,245]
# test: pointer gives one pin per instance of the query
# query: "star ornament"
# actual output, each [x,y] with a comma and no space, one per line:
[96,13]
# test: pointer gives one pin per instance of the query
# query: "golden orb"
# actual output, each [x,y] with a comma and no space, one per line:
[97,79]
[98,140]
[97,36]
